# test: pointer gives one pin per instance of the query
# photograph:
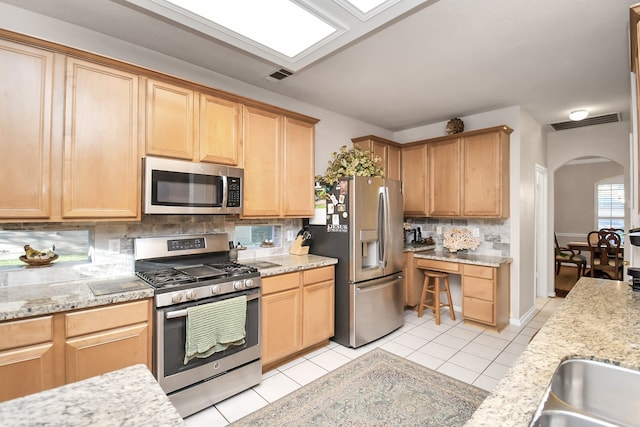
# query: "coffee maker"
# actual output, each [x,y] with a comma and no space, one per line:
[634,272]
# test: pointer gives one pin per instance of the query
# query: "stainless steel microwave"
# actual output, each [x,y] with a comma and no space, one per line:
[182,187]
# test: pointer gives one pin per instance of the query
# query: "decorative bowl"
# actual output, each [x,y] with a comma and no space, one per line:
[38,262]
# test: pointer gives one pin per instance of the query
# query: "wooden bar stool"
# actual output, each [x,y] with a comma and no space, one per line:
[433,288]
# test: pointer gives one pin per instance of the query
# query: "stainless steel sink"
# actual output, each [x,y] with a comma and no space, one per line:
[589,392]
[556,418]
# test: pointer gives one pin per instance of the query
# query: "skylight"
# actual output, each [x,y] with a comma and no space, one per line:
[366,6]
[280,25]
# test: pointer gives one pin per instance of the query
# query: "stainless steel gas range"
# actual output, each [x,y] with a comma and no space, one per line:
[187,271]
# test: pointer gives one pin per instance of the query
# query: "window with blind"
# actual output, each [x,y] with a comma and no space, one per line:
[610,203]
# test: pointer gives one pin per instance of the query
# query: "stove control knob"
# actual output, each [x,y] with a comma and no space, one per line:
[248,283]
[215,290]
[238,285]
[177,297]
[191,295]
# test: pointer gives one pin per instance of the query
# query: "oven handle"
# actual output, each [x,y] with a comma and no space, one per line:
[183,313]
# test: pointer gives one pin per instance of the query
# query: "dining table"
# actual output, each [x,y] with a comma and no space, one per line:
[584,246]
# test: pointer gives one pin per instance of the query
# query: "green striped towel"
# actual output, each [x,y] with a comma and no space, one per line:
[214,327]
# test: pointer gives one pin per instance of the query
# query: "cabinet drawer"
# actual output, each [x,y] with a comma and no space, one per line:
[281,282]
[477,288]
[21,333]
[317,275]
[478,271]
[100,319]
[436,265]
[477,309]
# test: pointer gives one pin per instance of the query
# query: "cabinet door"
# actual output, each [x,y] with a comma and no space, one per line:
[169,120]
[414,180]
[219,130]
[102,352]
[393,169]
[26,357]
[318,307]
[444,178]
[100,172]
[298,168]
[262,158]
[486,180]
[281,318]
[380,149]
[26,85]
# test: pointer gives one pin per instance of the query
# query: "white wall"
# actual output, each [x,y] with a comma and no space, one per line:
[333,130]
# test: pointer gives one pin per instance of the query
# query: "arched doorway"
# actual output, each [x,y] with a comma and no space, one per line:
[575,211]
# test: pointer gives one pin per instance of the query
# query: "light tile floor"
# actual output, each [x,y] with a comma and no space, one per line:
[467,353]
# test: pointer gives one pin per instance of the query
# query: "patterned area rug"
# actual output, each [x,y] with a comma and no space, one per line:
[376,389]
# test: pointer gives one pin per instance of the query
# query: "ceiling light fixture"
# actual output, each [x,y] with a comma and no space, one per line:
[578,115]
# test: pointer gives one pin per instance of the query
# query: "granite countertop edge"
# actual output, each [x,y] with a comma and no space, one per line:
[18,302]
[128,396]
[463,258]
[598,320]
[290,263]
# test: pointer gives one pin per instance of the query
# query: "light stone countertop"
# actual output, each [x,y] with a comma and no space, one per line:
[290,263]
[418,247]
[18,302]
[464,258]
[599,320]
[126,397]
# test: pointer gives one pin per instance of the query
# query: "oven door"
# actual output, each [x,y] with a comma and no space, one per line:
[171,371]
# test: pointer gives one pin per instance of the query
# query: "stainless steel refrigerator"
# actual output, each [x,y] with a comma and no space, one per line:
[362,228]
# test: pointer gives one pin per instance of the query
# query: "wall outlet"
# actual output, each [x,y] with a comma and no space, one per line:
[438,230]
[114,246]
[476,232]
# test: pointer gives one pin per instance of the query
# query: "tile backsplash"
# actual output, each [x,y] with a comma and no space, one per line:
[493,233]
[106,264]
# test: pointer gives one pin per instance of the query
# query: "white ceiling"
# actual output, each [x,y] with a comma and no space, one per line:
[444,59]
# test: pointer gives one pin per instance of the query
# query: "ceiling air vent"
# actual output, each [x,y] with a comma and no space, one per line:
[280,74]
[595,120]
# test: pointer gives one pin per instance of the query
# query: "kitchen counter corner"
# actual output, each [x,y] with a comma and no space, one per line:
[598,320]
[129,396]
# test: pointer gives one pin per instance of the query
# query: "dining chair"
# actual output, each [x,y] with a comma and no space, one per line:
[568,255]
[606,257]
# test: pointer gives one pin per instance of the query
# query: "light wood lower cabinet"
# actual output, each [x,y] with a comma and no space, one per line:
[27,363]
[106,339]
[485,295]
[485,290]
[49,351]
[297,313]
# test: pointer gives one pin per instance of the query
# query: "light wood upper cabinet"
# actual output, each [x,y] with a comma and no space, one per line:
[485,189]
[220,128]
[388,151]
[278,153]
[414,180]
[183,123]
[444,177]
[262,133]
[100,173]
[169,120]
[26,88]
[298,168]
[462,175]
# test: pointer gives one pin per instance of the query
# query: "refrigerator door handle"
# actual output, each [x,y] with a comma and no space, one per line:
[383,225]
